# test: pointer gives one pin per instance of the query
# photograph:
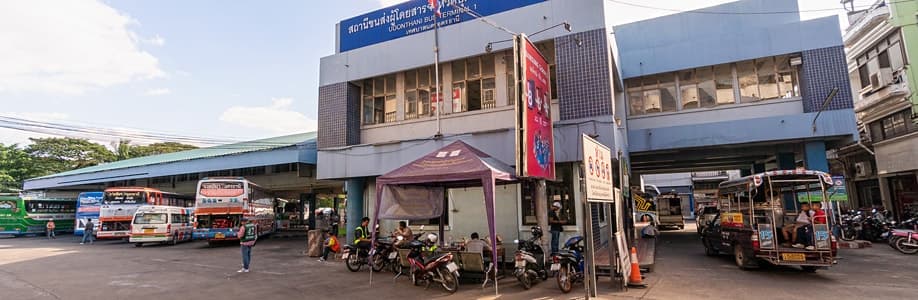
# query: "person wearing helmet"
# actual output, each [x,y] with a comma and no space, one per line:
[247,234]
[50,228]
[432,243]
[555,225]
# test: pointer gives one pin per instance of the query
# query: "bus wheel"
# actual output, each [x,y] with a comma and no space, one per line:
[138,245]
[740,257]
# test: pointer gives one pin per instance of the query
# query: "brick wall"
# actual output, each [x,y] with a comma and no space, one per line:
[584,80]
[824,69]
[339,115]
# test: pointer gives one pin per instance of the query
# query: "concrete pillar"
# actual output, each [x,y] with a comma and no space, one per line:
[758,168]
[885,193]
[541,206]
[786,161]
[309,200]
[355,203]
[816,156]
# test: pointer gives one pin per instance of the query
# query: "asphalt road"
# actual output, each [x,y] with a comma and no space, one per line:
[35,268]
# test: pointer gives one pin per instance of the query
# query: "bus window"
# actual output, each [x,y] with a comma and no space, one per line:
[151,218]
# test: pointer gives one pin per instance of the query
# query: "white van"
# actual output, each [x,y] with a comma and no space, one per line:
[161,224]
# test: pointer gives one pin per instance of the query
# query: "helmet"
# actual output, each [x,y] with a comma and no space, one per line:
[536,231]
[432,238]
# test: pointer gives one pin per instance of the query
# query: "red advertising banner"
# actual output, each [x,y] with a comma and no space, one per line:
[535,107]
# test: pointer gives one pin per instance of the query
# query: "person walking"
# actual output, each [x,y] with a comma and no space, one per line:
[555,226]
[247,237]
[49,227]
[88,232]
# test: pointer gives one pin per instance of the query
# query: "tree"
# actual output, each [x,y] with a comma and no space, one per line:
[56,155]
[15,166]
[159,148]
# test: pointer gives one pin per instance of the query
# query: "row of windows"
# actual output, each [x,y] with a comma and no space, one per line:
[895,125]
[741,82]
[473,86]
[887,54]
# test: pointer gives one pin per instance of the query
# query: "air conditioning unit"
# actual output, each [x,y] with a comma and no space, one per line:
[862,169]
[881,79]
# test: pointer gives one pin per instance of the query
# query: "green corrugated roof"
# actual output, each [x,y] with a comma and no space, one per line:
[221,150]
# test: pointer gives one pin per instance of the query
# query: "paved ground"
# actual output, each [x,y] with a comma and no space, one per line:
[35,268]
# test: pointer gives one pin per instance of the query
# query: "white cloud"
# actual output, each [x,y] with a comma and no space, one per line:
[387,3]
[155,41]
[278,117]
[157,92]
[69,47]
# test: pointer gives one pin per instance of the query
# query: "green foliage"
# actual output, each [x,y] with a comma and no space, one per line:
[56,155]
[159,148]
[15,166]
[47,156]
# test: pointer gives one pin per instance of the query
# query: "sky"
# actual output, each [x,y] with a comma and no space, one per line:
[228,70]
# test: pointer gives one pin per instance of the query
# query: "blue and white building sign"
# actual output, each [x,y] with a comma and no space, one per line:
[415,16]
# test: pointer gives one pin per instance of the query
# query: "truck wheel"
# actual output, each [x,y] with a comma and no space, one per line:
[740,257]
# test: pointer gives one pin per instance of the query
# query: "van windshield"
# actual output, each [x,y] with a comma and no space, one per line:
[150,218]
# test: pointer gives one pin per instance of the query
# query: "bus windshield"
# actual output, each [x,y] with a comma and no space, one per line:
[222,188]
[125,197]
[39,206]
[150,218]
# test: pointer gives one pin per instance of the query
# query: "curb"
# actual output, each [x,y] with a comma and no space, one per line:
[854,244]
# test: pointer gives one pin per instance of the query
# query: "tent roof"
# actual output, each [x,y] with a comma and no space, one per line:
[454,162]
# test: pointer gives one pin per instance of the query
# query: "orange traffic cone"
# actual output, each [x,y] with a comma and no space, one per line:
[635,280]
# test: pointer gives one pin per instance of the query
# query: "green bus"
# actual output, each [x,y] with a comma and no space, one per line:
[26,216]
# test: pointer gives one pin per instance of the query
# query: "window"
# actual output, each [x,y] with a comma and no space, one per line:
[379,100]
[688,87]
[45,206]
[706,87]
[748,82]
[723,78]
[767,76]
[557,191]
[635,98]
[473,84]
[886,54]
[419,85]
[788,85]
[892,126]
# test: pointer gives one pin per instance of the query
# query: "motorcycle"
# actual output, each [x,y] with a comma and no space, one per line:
[568,264]
[438,268]
[850,226]
[906,241]
[530,259]
[875,225]
[356,256]
[385,257]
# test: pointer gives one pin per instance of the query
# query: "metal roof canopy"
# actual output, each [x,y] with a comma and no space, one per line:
[296,148]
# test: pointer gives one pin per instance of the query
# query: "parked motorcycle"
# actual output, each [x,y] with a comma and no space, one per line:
[530,259]
[569,264]
[438,268]
[385,257]
[906,241]
[850,226]
[355,256]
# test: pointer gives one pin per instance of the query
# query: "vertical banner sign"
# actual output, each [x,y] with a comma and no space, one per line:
[597,164]
[534,108]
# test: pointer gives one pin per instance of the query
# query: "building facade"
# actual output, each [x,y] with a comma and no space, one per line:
[882,169]
[685,92]
[745,91]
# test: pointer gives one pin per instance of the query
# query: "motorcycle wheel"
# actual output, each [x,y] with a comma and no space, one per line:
[525,281]
[449,280]
[353,262]
[906,249]
[544,275]
[848,234]
[564,279]
[378,262]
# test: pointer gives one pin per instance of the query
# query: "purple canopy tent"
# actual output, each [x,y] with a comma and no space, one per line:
[414,190]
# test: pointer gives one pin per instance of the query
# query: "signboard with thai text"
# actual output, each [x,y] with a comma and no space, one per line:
[597,170]
[534,109]
[415,16]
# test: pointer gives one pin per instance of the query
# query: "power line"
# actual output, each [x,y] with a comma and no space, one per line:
[703,11]
[107,131]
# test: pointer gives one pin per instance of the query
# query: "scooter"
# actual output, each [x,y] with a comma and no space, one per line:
[530,259]
[568,264]
[438,268]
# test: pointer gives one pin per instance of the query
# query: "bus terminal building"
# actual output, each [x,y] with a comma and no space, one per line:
[679,93]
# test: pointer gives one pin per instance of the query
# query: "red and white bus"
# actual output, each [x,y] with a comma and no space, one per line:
[120,203]
[222,202]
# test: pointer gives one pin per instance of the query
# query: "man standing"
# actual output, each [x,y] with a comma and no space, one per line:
[88,231]
[49,227]
[555,225]
[247,236]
